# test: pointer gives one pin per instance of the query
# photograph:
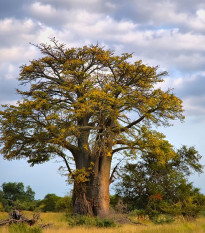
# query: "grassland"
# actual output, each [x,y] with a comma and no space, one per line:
[60,225]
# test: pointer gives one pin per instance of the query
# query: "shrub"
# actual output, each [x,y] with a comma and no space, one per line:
[202,213]
[78,220]
[162,218]
[64,204]
[139,213]
[1,207]
[114,200]
[48,204]
[23,228]
[105,223]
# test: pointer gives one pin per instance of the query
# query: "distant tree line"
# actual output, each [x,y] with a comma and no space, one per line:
[16,196]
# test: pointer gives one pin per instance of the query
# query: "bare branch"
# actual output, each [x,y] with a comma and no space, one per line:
[112,177]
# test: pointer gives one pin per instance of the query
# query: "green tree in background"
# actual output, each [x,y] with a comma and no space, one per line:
[88,104]
[14,195]
[16,191]
[3,202]
[64,205]
[54,203]
[162,187]
[49,202]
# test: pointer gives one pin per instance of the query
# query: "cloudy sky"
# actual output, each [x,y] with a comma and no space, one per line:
[168,33]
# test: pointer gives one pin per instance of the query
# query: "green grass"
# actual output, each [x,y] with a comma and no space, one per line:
[23,228]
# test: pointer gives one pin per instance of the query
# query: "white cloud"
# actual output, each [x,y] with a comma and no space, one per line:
[8,24]
[176,43]
[166,12]
[17,32]
[102,28]
[14,54]
[41,10]
[194,106]
[201,15]
[11,72]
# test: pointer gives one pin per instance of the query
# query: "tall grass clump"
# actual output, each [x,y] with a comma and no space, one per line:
[23,228]
[88,221]
[162,219]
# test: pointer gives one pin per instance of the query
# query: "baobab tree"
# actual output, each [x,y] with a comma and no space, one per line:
[91,104]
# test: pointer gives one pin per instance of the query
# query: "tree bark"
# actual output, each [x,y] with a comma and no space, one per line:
[92,197]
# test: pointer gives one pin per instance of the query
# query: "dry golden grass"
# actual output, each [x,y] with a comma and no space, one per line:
[4,230]
[58,219]
[180,226]
[123,229]
[3,215]
[192,227]
[61,226]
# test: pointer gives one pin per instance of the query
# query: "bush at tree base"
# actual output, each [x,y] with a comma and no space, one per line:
[79,220]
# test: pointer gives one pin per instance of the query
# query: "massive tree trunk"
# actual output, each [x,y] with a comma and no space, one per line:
[91,184]
[92,197]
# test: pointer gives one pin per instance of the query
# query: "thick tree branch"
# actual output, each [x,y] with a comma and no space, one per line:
[125,148]
[66,163]
[137,121]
